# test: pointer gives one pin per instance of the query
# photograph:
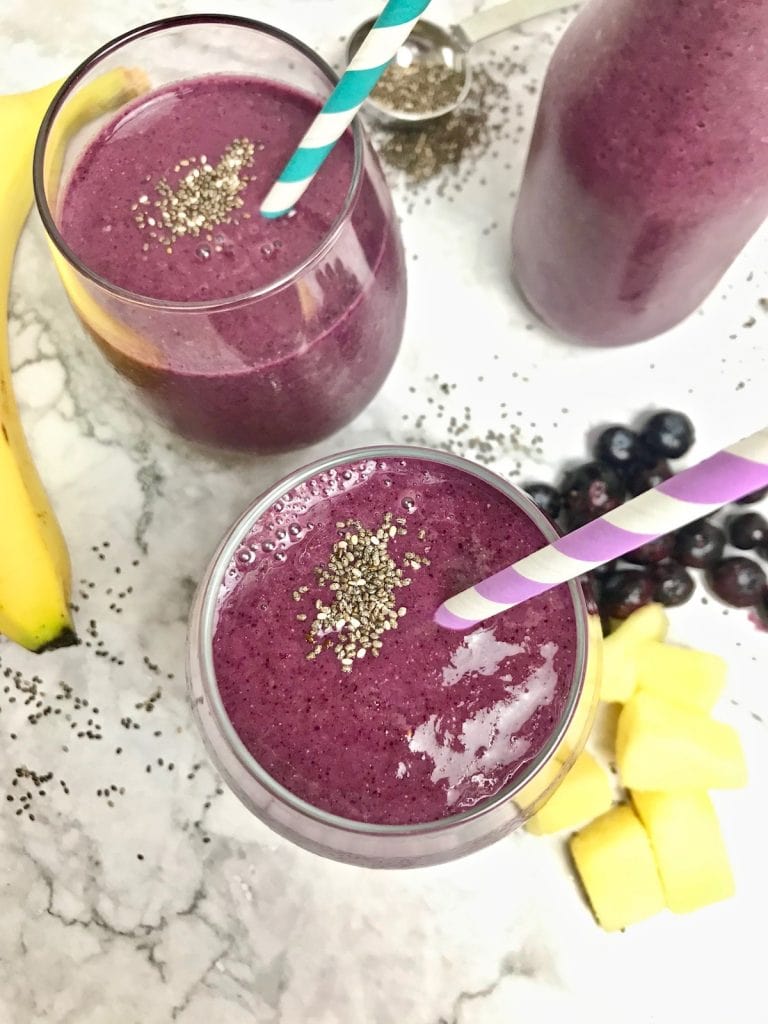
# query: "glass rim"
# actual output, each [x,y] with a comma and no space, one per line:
[202,627]
[114,45]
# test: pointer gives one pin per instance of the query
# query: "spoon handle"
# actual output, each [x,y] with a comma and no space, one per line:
[503,16]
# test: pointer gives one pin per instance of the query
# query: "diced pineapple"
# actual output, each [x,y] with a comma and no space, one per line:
[661,745]
[584,793]
[677,673]
[648,623]
[620,649]
[531,793]
[615,862]
[688,846]
[619,669]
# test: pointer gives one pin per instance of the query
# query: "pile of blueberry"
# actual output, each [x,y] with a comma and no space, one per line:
[627,463]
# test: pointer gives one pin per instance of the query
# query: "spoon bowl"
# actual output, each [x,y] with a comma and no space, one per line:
[429,47]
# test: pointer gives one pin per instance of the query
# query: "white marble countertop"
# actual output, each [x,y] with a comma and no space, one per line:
[167,901]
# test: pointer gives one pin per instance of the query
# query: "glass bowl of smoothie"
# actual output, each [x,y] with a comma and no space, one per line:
[333,705]
[239,331]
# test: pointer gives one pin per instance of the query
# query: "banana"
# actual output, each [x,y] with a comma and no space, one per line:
[34,562]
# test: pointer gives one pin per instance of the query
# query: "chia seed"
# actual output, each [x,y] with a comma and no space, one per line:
[204,198]
[419,88]
[363,578]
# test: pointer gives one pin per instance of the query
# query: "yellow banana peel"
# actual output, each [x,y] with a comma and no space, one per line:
[34,562]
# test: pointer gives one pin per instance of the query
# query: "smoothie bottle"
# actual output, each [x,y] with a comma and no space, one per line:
[239,331]
[648,167]
[337,709]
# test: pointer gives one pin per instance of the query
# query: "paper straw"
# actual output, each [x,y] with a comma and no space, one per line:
[684,498]
[367,66]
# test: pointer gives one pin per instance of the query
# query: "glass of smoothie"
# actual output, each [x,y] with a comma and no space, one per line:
[337,710]
[240,332]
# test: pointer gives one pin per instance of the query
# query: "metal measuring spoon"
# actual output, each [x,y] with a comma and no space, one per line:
[432,46]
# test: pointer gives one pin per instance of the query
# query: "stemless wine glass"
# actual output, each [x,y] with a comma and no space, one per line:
[356,842]
[277,367]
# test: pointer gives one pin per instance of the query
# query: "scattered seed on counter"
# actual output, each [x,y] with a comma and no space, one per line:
[148,705]
[451,427]
[26,702]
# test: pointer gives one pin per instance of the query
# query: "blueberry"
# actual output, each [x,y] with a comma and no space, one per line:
[738,581]
[669,434]
[654,551]
[672,583]
[620,447]
[755,496]
[545,497]
[641,477]
[749,530]
[601,571]
[598,575]
[590,491]
[624,591]
[700,544]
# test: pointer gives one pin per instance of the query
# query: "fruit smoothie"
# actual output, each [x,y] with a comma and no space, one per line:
[332,671]
[648,168]
[231,340]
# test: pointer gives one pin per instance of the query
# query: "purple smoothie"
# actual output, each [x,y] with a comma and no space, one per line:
[648,168]
[264,373]
[439,721]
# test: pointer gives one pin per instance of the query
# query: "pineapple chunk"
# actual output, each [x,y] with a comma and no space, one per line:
[677,673]
[661,745]
[688,846]
[584,793]
[614,860]
[619,669]
[620,649]
[648,623]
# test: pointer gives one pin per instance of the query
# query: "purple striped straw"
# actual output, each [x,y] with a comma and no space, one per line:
[691,494]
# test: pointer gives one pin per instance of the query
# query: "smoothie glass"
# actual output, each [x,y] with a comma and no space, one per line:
[648,167]
[375,845]
[275,368]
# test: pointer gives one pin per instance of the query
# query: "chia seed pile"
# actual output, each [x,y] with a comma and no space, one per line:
[364,580]
[206,196]
[419,88]
[425,152]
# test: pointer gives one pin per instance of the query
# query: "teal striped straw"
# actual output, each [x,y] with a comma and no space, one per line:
[370,62]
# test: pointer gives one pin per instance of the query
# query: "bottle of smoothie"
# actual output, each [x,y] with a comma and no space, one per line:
[335,706]
[241,332]
[648,167]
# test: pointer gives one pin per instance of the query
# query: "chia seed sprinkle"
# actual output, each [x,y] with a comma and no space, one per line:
[439,146]
[419,88]
[363,578]
[203,199]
